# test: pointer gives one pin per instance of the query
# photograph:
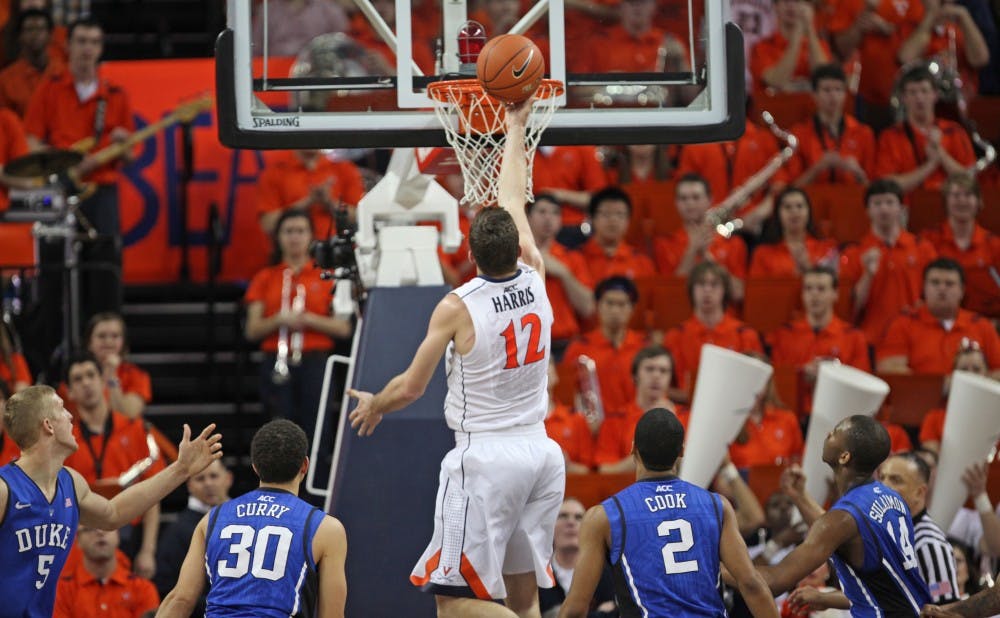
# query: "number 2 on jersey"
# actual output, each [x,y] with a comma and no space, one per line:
[686,542]
[533,324]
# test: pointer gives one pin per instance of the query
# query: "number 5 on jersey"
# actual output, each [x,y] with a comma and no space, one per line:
[531,324]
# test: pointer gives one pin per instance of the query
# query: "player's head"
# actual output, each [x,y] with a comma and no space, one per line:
[84,381]
[610,212]
[293,235]
[944,287]
[963,199]
[884,203]
[544,217]
[105,335]
[819,290]
[917,92]
[658,441]
[567,532]
[616,298]
[279,452]
[85,43]
[35,413]
[97,545]
[692,197]
[211,485]
[858,443]
[653,371]
[493,242]
[829,87]
[909,476]
[708,287]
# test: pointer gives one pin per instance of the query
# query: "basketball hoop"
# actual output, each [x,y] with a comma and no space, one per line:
[474,125]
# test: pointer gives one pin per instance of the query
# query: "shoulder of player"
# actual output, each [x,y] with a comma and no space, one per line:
[330,537]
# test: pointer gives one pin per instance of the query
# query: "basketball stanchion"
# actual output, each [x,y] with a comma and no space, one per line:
[474,125]
[971,430]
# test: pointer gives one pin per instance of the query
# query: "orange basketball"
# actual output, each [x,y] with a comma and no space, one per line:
[510,68]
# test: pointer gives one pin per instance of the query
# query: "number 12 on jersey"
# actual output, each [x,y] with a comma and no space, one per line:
[531,323]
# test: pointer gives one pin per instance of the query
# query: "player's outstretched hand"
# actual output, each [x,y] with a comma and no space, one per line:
[362,417]
[193,456]
[517,113]
[937,611]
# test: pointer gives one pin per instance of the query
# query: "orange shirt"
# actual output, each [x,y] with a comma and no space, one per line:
[58,117]
[565,324]
[123,595]
[877,51]
[18,82]
[685,341]
[731,253]
[614,366]
[288,180]
[776,439]
[901,150]
[855,140]
[614,50]
[775,260]
[12,145]
[726,165]
[897,284]
[614,440]
[982,294]
[932,429]
[570,430]
[626,261]
[899,440]
[135,380]
[8,450]
[421,51]
[108,454]
[20,372]
[577,168]
[796,344]
[265,287]
[768,51]
[459,260]
[929,348]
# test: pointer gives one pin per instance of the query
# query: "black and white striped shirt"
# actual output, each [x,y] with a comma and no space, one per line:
[937,563]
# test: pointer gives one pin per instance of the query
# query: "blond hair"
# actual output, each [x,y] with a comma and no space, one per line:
[24,412]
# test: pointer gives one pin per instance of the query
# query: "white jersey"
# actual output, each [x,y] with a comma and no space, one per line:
[503,380]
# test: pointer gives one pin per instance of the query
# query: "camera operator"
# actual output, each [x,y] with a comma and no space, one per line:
[289,312]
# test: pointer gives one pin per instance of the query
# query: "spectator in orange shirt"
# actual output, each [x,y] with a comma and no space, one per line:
[784,60]
[709,293]
[789,246]
[874,29]
[100,586]
[20,78]
[292,24]
[820,335]
[567,279]
[307,180]
[633,44]
[295,394]
[607,254]
[8,449]
[13,144]
[129,388]
[612,344]
[968,358]
[771,434]
[698,241]
[887,264]
[13,366]
[932,39]
[572,175]
[922,150]
[834,146]
[968,243]
[926,341]
[569,429]
[381,55]
[110,444]
[652,373]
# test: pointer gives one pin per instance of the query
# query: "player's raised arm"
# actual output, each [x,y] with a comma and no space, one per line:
[180,602]
[595,533]
[733,555]
[827,534]
[514,179]
[982,604]
[408,386]
[193,456]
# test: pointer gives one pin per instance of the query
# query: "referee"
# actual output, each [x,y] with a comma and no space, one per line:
[909,475]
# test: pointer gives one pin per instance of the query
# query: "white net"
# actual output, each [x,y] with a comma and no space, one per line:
[475,127]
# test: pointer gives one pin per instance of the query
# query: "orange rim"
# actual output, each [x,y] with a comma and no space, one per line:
[480,110]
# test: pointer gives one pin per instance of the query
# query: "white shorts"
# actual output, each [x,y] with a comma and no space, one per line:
[498,499]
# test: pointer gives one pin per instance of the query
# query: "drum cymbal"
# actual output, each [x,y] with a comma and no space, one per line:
[44,163]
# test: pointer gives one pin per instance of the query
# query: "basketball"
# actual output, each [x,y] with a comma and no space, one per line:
[510,68]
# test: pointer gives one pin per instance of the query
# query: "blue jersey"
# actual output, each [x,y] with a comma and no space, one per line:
[665,549]
[889,582]
[36,535]
[258,556]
